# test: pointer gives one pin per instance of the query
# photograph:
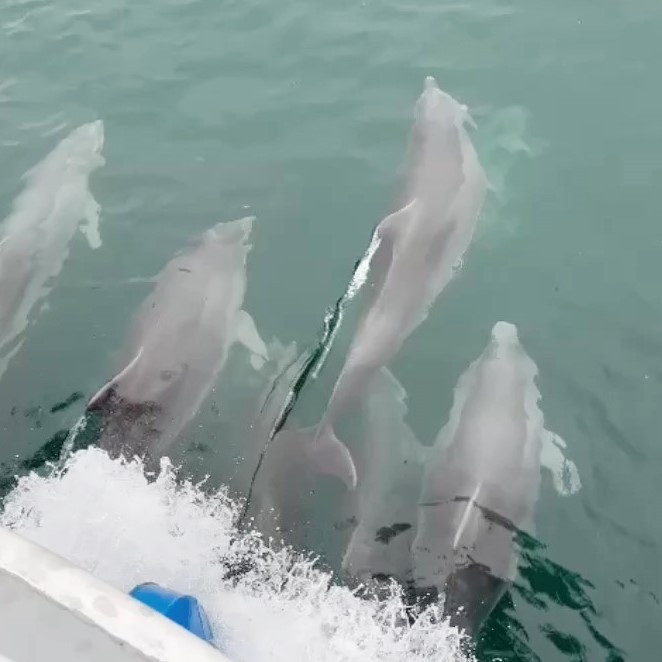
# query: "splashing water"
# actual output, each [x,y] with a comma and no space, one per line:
[106,517]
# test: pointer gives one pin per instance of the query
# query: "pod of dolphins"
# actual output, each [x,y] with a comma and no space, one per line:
[441,519]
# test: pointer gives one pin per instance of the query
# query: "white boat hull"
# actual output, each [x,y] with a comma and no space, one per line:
[52,610]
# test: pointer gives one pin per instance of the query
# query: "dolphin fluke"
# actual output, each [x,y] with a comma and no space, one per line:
[312,450]
[328,455]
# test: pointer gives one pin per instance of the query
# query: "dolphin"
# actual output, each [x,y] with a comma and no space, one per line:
[481,483]
[254,406]
[35,237]
[178,344]
[273,500]
[418,249]
[387,495]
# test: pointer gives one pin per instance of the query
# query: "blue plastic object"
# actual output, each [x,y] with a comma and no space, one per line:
[184,610]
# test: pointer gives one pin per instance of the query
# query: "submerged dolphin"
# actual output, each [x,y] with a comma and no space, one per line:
[481,483]
[35,237]
[273,502]
[419,246]
[387,496]
[178,344]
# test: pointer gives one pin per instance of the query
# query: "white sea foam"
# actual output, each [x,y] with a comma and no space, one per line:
[105,516]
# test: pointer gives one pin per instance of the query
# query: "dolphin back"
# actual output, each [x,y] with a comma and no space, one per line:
[390,472]
[419,246]
[483,479]
[35,237]
[179,342]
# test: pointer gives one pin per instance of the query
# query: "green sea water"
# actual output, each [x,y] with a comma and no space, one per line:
[298,112]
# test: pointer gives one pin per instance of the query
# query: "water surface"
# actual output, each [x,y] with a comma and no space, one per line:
[298,112]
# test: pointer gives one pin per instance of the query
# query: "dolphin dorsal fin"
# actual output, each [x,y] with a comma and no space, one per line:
[394,224]
[100,395]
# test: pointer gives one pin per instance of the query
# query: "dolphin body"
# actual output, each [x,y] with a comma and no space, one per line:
[419,247]
[444,518]
[481,483]
[272,504]
[178,343]
[35,237]
[390,473]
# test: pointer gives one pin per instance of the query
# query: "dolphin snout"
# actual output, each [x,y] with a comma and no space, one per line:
[88,138]
[505,333]
[435,105]
[234,231]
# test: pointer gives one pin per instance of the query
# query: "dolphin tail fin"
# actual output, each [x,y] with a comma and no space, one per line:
[97,400]
[246,333]
[328,455]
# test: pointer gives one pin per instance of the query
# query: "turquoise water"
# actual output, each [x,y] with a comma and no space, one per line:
[298,113]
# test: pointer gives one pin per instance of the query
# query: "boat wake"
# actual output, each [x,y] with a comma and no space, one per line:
[105,516]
